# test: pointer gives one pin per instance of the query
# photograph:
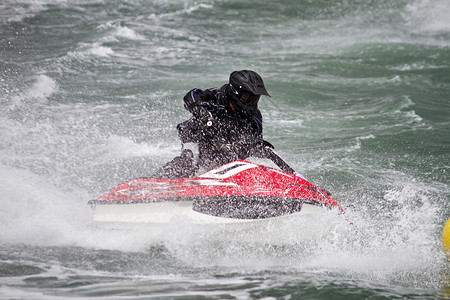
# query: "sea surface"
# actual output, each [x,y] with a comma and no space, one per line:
[91,93]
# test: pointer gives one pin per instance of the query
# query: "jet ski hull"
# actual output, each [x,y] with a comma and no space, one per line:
[240,194]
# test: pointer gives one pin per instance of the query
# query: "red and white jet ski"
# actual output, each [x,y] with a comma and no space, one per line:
[239,193]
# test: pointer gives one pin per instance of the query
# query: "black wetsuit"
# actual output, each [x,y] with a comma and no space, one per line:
[230,136]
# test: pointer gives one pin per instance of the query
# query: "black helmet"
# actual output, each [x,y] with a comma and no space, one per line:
[244,90]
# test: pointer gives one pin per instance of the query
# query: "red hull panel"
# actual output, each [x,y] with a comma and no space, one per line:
[236,179]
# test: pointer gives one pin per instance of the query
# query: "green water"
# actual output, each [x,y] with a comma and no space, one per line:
[90,95]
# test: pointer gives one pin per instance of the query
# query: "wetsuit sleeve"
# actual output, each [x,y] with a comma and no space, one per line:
[198,102]
[257,125]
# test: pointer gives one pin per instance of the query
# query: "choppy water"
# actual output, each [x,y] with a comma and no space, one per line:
[91,92]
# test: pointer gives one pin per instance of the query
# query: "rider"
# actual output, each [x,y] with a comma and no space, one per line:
[226,125]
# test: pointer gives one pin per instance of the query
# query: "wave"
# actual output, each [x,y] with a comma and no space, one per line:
[188,8]
[16,11]
[39,92]
[36,211]
[428,17]
[349,93]
[114,31]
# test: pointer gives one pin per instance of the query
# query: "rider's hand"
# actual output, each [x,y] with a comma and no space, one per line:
[204,115]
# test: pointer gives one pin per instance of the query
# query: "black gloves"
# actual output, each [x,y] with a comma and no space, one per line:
[203,115]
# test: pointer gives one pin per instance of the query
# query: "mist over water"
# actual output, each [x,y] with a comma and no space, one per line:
[90,96]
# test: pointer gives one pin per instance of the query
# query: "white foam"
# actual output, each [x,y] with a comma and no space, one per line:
[120,146]
[86,51]
[187,9]
[196,7]
[431,17]
[118,31]
[398,242]
[100,51]
[35,211]
[41,89]
[358,142]
[128,33]
[16,12]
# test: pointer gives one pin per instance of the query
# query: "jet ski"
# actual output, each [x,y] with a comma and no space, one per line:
[239,193]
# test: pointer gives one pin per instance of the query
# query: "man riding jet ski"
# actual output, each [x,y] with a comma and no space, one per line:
[226,126]
[225,129]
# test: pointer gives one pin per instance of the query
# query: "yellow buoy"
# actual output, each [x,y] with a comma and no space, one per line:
[446,238]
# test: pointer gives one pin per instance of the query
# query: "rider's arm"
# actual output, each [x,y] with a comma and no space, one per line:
[199,102]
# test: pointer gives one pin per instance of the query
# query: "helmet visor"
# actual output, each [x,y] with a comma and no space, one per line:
[246,98]
[249,99]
